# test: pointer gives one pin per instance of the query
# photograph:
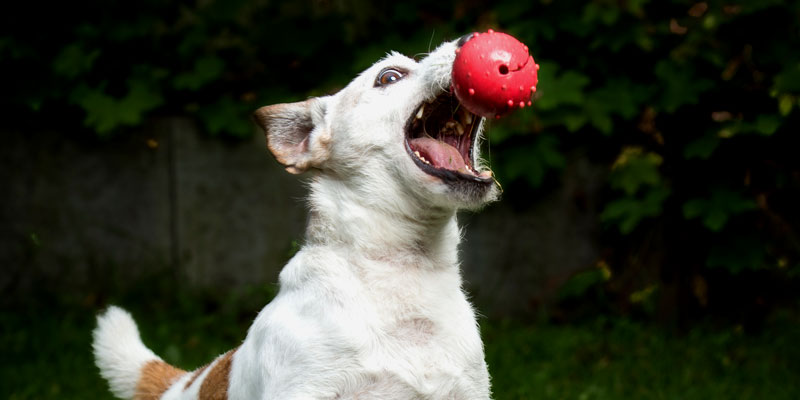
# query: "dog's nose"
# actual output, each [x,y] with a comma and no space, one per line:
[464,39]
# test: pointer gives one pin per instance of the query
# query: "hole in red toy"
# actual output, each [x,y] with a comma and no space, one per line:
[503,69]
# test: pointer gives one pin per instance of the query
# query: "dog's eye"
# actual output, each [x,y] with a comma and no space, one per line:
[389,76]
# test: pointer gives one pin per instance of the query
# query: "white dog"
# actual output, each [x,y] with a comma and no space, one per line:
[372,306]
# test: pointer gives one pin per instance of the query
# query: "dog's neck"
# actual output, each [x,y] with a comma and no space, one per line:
[418,233]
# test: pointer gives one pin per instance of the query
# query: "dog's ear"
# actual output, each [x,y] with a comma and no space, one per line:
[296,133]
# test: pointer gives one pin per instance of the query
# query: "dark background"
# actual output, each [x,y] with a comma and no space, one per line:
[646,246]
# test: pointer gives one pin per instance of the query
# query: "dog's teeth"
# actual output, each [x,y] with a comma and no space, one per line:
[460,129]
[450,124]
[465,117]
[419,113]
[419,156]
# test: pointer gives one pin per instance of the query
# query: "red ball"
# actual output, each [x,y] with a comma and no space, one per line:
[493,74]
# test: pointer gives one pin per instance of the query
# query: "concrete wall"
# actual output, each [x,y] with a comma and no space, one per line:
[78,211]
[516,257]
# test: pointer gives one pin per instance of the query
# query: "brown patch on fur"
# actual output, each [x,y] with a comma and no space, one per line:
[156,377]
[215,384]
[195,375]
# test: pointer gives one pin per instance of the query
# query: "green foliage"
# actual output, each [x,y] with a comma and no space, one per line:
[618,97]
[788,80]
[717,208]
[691,100]
[737,254]
[226,116]
[556,90]
[697,102]
[564,99]
[205,71]
[635,173]
[628,211]
[532,162]
[104,113]
[680,85]
[582,282]
[634,170]
[74,60]
[702,147]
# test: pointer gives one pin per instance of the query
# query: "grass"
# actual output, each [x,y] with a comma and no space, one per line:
[620,359]
[46,352]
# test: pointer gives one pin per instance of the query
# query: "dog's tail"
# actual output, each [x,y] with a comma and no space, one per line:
[131,369]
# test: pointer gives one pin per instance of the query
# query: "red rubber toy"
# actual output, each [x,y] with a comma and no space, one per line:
[494,74]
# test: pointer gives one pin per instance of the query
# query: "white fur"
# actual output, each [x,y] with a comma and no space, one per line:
[372,306]
[119,351]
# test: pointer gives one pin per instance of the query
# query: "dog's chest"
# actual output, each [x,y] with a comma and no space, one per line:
[414,331]
[369,336]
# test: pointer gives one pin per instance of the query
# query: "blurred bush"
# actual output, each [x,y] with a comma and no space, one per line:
[691,106]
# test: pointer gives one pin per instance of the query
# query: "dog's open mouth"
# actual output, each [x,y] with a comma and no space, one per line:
[441,137]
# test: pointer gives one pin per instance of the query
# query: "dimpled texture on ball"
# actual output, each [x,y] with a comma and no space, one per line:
[494,74]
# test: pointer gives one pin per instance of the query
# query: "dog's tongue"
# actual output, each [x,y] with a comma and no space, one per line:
[438,153]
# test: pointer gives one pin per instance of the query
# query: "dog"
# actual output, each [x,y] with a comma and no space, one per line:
[372,305]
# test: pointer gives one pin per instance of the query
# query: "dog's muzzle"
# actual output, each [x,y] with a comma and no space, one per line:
[441,137]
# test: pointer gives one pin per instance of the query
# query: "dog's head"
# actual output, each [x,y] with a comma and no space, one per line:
[397,127]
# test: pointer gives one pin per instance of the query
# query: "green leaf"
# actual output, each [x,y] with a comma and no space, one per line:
[574,120]
[679,85]
[718,208]
[628,211]
[702,147]
[599,116]
[635,169]
[227,116]
[738,254]
[555,90]
[767,124]
[607,14]
[788,80]
[785,104]
[534,161]
[763,124]
[105,113]
[74,60]
[636,7]
[514,125]
[620,96]
[580,283]
[207,69]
